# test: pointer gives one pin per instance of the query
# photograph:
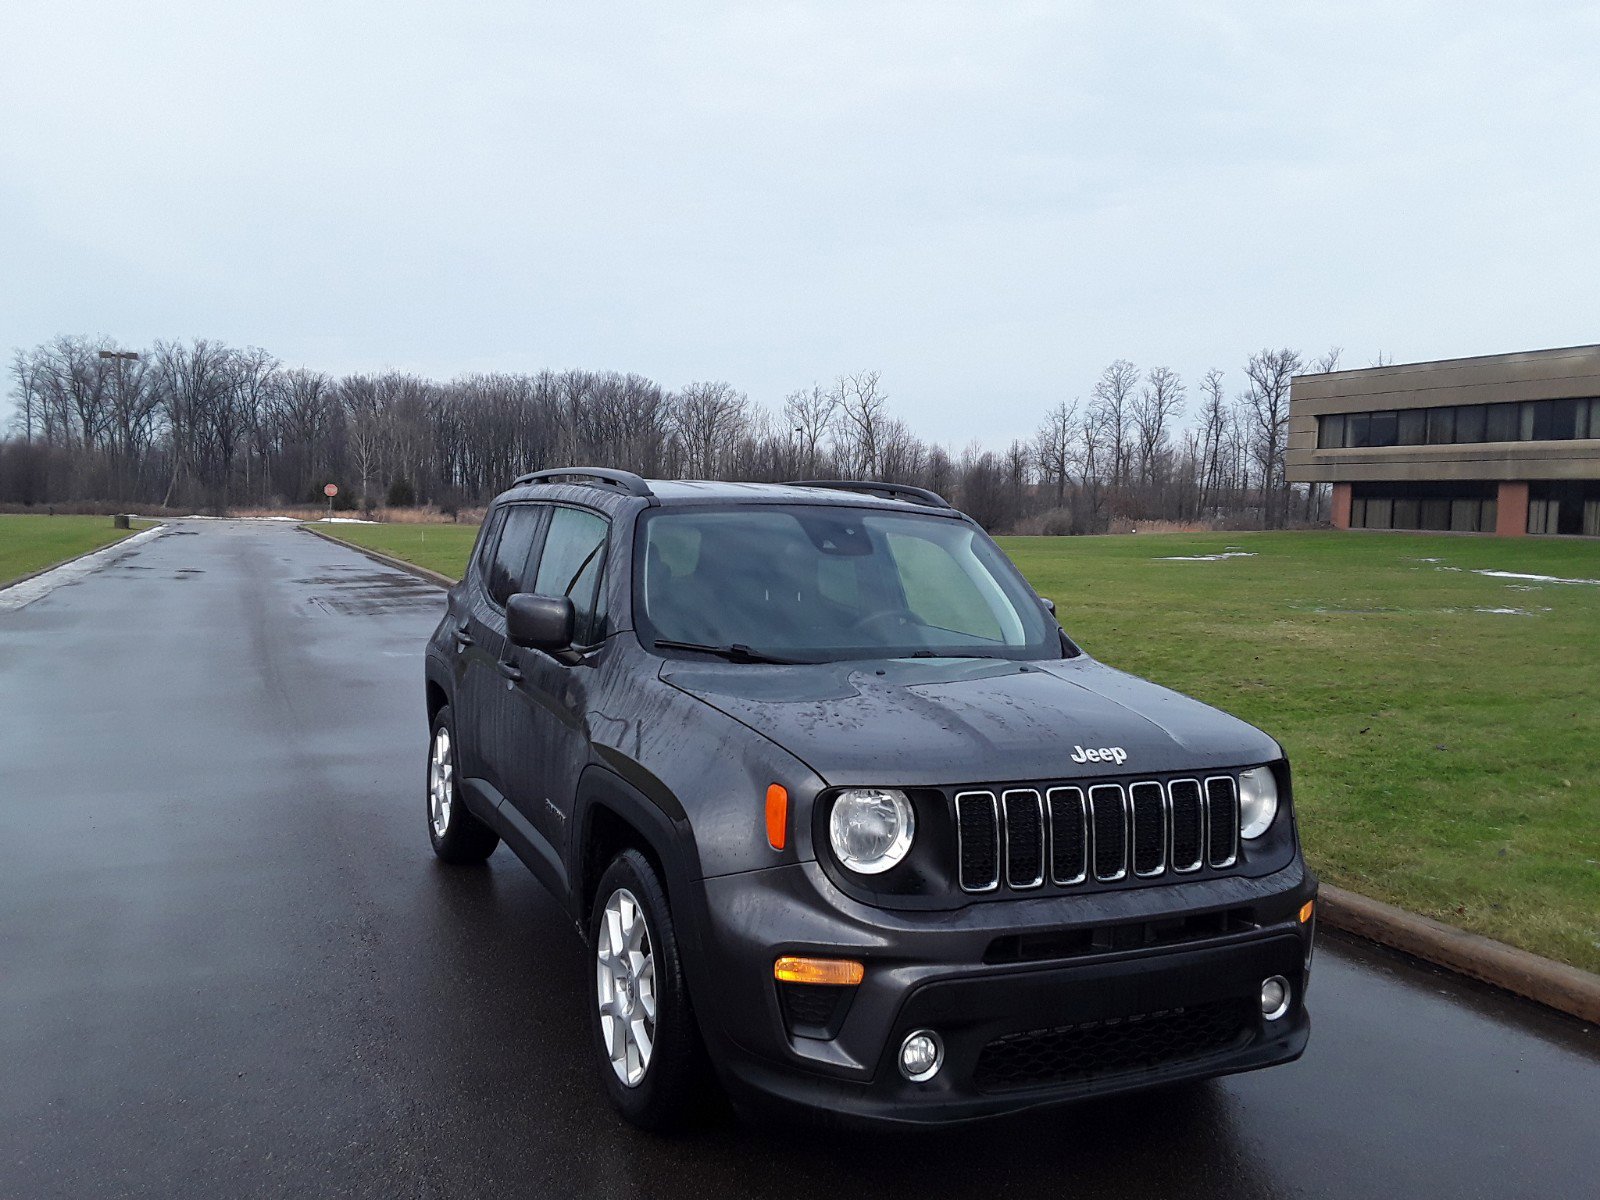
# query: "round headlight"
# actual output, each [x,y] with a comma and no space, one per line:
[1258,801]
[871,828]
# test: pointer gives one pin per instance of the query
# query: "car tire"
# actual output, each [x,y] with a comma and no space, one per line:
[457,835]
[658,1081]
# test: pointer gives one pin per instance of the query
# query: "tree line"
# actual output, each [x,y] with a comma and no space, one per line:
[203,425]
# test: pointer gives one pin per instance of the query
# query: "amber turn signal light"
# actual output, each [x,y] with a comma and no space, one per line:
[777,816]
[1306,910]
[841,972]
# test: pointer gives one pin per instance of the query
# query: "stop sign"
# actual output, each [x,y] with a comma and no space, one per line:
[331,490]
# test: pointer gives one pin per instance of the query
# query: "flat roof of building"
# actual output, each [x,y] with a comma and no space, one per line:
[1465,360]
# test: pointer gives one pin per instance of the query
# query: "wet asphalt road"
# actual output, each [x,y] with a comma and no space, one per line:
[229,964]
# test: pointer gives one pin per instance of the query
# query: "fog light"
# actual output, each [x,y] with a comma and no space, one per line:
[921,1055]
[1274,997]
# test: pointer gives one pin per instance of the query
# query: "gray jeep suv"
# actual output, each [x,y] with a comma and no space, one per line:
[845,818]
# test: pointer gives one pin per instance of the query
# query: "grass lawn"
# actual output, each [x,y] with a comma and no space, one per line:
[30,543]
[1445,749]
[442,548]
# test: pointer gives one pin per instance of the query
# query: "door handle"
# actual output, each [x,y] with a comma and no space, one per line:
[463,638]
[510,670]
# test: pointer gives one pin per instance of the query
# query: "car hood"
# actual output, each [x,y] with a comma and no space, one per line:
[943,722]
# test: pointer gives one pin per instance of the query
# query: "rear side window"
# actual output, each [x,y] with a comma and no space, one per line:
[484,554]
[574,553]
[504,576]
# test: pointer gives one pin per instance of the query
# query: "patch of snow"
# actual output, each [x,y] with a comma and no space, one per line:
[1207,557]
[345,521]
[1511,612]
[1536,578]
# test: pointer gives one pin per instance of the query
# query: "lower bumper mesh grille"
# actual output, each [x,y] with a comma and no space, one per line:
[1097,1048]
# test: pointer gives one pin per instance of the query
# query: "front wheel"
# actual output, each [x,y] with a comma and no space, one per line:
[457,835]
[651,1060]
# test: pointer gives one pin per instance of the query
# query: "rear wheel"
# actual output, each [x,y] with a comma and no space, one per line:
[457,835]
[651,1061]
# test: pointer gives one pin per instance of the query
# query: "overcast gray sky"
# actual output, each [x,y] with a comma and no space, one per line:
[986,202]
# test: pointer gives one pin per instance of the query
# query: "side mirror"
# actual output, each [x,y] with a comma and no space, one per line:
[1049,605]
[539,622]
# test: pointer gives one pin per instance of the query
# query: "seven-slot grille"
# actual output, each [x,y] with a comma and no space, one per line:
[1105,832]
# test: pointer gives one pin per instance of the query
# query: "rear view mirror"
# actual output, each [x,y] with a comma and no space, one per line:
[1049,605]
[539,622]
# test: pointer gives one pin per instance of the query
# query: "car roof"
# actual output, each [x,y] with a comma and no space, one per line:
[676,493]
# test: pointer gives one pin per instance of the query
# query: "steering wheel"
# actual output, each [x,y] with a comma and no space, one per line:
[900,616]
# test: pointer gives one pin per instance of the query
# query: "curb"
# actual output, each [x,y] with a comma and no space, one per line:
[1556,985]
[67,562]
[387,560]
[24,590]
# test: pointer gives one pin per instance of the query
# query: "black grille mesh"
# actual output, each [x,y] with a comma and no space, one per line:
[1149,828]
[1110,831]
[980,841]
[1186,824]
[1098,1048]
[1069,836]
[1024,839]
[1222,820]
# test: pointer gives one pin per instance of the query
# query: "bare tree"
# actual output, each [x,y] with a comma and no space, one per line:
[862,408]
[1113,396]
[1159,403]
[1053,448]
[707,419]
[1209,443]
[1327,362]
[1269,373]
[809,414]
[25,376]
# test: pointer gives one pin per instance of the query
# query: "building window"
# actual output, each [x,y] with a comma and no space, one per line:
[1456,507]
[1330,431]
[1471,421]
[1441,426]
[1566,506]
[1413,427]
[1463,424]
[1503,422]
[1357,429]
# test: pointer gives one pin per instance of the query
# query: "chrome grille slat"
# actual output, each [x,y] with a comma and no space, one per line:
[1024,837]
[1187,813]
[1222,821]
[1069,836]
[1108,813]
[978,841]
[1147,805]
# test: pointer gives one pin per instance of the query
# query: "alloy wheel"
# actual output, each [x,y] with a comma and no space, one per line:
[625,983]
[441,782]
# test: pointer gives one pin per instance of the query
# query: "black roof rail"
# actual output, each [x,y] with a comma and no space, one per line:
[633,484]
[893,491]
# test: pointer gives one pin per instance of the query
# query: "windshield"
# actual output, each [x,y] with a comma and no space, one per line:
[814,583]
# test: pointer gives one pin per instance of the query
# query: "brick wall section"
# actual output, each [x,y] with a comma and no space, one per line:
[1511,511]
[1341,506]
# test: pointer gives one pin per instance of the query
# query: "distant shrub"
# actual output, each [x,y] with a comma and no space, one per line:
[401,493]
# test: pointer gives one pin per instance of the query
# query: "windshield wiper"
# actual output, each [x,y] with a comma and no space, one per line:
[948,654]
[737,652]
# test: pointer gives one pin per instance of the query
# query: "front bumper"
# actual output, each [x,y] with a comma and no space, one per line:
[1018,1034]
